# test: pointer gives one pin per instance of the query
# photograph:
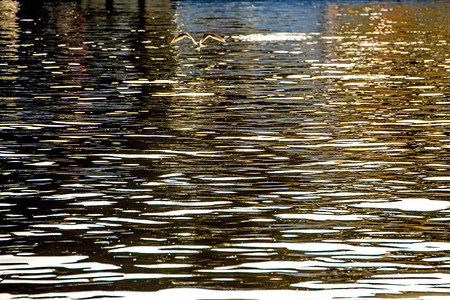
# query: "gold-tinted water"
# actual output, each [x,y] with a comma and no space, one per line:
[307,155]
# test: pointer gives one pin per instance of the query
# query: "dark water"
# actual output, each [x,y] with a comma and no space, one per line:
[307,157]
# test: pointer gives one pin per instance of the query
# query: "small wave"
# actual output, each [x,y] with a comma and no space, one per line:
[273,37]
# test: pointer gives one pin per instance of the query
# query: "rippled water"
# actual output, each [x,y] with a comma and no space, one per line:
[308,156]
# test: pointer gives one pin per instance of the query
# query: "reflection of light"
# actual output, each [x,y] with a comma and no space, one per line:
[8,19]
[407,204]
[271,37]
[8,50]
[10,31]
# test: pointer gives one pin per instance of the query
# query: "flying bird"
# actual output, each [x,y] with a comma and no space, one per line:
[198,45]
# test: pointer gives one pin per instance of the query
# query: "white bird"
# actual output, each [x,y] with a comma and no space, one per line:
[198,45]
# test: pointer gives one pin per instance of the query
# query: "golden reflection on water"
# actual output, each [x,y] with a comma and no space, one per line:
[308,153]
[9,29]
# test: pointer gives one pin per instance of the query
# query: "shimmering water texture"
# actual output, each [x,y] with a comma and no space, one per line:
[305,158]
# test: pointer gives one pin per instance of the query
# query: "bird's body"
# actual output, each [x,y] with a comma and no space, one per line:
[198,45]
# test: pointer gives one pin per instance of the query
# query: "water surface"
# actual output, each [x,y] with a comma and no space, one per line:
[308,156]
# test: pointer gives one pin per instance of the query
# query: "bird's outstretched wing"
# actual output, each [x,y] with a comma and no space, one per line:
[213,36]
[182,36]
